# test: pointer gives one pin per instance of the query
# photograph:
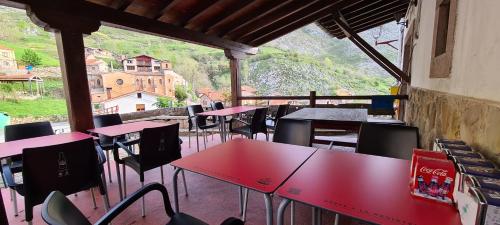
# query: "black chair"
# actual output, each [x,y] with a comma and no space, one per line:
[158,147]
[58,210]
[105,142]
[219,106]
[281,112]
[199,123]
[257,124]
[69,167]
[387,140]
[295,132]
[15,163]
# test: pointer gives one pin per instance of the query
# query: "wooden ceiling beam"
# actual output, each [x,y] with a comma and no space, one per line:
[286,27]
[370,20]
[373,12]
[298,19]
[121,5]
[168,4]
[156,11]
[276,15]
[231,8]
[372,52]
[111,17]
[193,12]
[254,14]
[367,27]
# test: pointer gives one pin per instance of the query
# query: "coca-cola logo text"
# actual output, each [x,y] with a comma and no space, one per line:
[437,172]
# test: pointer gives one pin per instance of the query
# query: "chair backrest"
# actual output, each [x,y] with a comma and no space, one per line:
[282,111]
[27,130]
[295,132]
[69,168]
[59,210]
[192,111]
[217,105]
[159,146]
[258,122]
[395,141]
[105,121]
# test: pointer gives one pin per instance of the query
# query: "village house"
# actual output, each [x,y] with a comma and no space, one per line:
[208,95]
[131,102]
[95,69]
[7,60]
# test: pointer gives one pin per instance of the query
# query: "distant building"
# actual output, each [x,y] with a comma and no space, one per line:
[95,69]
[207,95]
[130,102]
[248,91]
[7,60]
[144,63]
[119,83]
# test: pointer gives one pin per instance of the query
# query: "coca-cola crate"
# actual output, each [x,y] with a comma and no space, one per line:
[434,179]
[462,153]
[455,146]
[438,141]
[473,161]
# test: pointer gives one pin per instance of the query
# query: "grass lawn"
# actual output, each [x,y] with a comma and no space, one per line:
[35,108]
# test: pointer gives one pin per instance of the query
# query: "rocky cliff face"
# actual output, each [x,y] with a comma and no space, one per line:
[437,114]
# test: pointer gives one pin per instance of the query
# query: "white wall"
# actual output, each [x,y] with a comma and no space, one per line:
[128,103]
[476,54]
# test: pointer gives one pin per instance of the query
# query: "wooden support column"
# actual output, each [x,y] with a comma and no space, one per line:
[312,99]
[234,66]
[371,51]
[76,87]
[69,30]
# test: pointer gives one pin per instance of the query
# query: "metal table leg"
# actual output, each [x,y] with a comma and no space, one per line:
[240,195]
[223,124]
[118,176]
[281,211]
[316,216]
[292,213]
[269,209]
[245,204]
[176,190]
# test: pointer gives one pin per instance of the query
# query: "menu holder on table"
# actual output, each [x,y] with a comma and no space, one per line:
[434,179]
[480,207]
[424,153]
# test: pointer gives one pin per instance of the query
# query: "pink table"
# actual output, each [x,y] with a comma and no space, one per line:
[13,148]
[372,188]
[121,129]
[222,113]
[251,164]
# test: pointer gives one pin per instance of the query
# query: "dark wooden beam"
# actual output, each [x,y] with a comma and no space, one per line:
[286,26]
[254,13]
[121,5]
[193,12]
[128,21]
[234,66]
[163,9]
[310,14]
[157,10]
[373,8]
[232,7]
[71,52]
[276,15]
[366,25]
[372,52]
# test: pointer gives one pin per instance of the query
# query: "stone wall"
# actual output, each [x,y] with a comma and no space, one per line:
[438,114]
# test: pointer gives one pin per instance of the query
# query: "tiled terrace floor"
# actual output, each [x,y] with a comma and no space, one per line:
[209,199]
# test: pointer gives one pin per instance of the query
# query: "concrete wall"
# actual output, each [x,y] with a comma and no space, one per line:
[467,104]
[475,65]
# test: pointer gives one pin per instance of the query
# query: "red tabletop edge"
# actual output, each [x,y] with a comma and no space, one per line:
[228,111]
[12,148]
[366,187]
[258,165]
[126,128]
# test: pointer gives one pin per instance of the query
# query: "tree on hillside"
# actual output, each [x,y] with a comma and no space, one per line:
[30,57]
[181,93]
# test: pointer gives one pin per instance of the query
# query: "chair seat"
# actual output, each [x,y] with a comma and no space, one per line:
[208,126]
[126,142]
[184,219]
[245,130]
[16,166]
[131,162]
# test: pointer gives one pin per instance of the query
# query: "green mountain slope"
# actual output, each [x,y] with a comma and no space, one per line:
[307,59]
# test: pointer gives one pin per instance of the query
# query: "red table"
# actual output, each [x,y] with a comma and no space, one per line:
[222,113]
[251,164]
[13,148]
[115,131]
[371,188]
